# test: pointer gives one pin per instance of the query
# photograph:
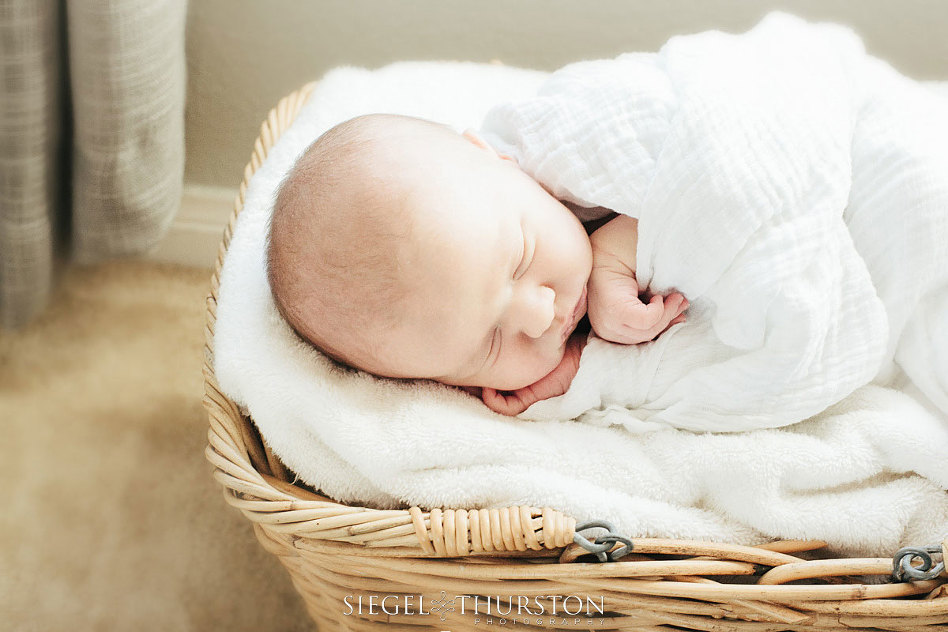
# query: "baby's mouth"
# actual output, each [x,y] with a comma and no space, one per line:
[578,312]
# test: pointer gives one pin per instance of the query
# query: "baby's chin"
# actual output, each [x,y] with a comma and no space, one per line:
[539,373]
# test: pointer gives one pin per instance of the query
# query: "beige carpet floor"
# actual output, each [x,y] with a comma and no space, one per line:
[109,519]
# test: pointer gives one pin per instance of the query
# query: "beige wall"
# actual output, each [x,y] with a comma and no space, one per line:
[243,55]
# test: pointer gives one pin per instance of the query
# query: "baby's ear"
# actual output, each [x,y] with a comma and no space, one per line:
[475,138]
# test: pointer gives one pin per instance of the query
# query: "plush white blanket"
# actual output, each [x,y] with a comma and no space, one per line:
[868,475]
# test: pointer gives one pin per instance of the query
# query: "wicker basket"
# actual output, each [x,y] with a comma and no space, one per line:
[359,568]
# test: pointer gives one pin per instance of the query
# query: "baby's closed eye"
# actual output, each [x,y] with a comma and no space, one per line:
[526,257]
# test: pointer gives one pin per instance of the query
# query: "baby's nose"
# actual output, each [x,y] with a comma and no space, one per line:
[535,313]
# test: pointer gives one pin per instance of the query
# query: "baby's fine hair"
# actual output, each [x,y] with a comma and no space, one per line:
[332,255]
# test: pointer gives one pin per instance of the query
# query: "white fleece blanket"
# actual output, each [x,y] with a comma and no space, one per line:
[868,475]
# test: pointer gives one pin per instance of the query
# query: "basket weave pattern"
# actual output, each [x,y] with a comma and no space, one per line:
[520,561]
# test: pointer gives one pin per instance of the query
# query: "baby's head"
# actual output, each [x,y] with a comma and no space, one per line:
[402,248]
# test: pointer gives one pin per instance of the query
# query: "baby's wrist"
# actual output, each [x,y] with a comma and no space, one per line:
[615,243]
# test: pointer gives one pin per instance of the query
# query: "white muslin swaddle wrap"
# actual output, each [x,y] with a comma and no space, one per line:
[794,189]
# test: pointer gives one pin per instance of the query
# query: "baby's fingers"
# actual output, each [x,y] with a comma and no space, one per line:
[504,402]
[675,303]
[675,306]
[638,315]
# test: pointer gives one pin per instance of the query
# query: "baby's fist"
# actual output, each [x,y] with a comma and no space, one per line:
[618,314]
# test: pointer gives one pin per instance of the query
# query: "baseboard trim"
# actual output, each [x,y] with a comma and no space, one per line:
[196,231]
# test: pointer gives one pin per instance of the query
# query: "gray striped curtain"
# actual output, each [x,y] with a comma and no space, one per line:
[91,136]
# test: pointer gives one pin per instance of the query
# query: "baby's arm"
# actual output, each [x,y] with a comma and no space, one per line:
[617,311]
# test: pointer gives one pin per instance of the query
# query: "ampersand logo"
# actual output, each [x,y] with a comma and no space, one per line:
[443,605]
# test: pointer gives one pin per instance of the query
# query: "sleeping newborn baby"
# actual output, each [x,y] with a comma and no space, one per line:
[402,248]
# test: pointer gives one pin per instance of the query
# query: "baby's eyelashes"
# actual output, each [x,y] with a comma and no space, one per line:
[525,258]
[495,342]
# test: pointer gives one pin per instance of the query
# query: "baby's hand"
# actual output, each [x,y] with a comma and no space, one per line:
[552,385]
[618,313]
[618,309]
